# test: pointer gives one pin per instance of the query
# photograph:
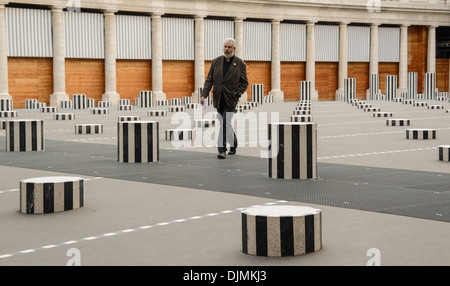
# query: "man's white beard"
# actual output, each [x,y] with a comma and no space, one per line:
[228,56]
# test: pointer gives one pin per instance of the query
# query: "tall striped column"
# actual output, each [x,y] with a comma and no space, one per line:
[349,88]
[429,86]
[79,101]
[412,85]
[311,58]
[145,98]
[110,60]
[292,150]
[391,87]
[374,86]
[257,93]
[4,93]
[6,104]
[138,141]
[305,90]
[157,69]
[24,135]
[59,74]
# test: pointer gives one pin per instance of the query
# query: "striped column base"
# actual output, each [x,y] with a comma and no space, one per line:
[353,101]
[205,123]
[176,108]
[398,122]
[281,231]
[244,106]
[252,103]
[124,102]
[30,103]
[421,134]
[364,106]
[397,99]
[138,141]
[129,118]
[63,116]
[193,105]
[66,104]
[6,104]
[3,124]
[303,107]
[9,114]
[301,118]
[408,101]
[435,107]
[358,102]
[99,111]
[49,109]
[157,113]
[382,114]
[162,102]
[420,104]
[238,110]
[39,105]
[51,194]
[444,153]
[179,134]
[25,135]
[126,107]
[441,99]
[372,109]
[292,150]
[88,128]
[104,104]
[175,101]
[301,112]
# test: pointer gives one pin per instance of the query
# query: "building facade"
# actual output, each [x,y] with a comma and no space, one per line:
[111,50]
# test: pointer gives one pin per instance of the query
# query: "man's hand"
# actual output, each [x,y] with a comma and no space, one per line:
[202,99]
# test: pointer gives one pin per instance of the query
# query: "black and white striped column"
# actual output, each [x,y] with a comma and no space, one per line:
[80,101]
[51,194]
[374,85]
[138,141]
[145,98]
[162,102]
[292,150]
[49,109]
[175,101]
[104,104]
[179,134]
[186,100]
[200,123]
[129,118]
[24,135]
[349,88]
[6,104]
[429,86]
[124,102]
[176,108]
[398,122]
[89,128]
[126,107]
[421,134]
[444,153]
[391,87]
[30,103]
[301,118]
[382,114]
[9,114]
[65,104]
[90,103]
[99,111]
[412,85]
[157,113]
[258,93]
[281,231]
[63,116]
[305,90]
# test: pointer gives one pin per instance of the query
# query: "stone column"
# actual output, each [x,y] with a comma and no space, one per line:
[373,64]
[311,59]
[403,66]
[110,60]
[278,95]
[343,56]
[3,56]
[431,54]
[59,68]
[157,69]
[199,55]
[239,36]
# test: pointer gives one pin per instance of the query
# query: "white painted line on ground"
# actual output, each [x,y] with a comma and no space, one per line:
[9,191]
[375,153]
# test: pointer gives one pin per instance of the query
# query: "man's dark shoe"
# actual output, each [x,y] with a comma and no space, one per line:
[232,152]
[222,155]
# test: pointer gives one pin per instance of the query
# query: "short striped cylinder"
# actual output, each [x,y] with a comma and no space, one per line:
[238,110]
[382,114]
[420,103]
[51,194]
[398,122]
[357,102]
[244,106]
[199,123]
[349,88]
[391,87]
[39,105]
[292,150]
[175,101]
[379,96]
[186,99]
[444,153]
[420,96]
[179,134]
[124,102]
[374,85]
[412,85]
[162,102]
[404,95]
[408,101]
[25,135]
[252,103]
[372,109]
[281,231]
[30,103]
[80,101]
[126,107]
[157,113]
[364,106]
[435,106]
[305,90]
[99,111]
[257,93]
[104,104]
[301,118]
[442,94]
[6,104]
[301,112]
[66,104]
[49,109]
[429,86]
[9,114]
[440,98]
[176,108]
[303,107]
[398,99]
[63,116]
[340,97]
[90,102]
[145,98]
[421,134]
[90,128]
[268,99]
[137,102]
[3,124]
[138,141]
[193,105]
[129,118]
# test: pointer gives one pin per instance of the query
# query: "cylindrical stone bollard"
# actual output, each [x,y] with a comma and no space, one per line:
[125,107]
[24,135]
[421,134]
[129,118]
[199,123]
[138,141]
[63,116]
[6,104]
[51,194]
[157,113]
[179,134]
[80,101]
[8,114]
[99,111]
[444,153]
[398,122]
[49,109]
[301,118]
[292,150]
[382,114]
[90,128]
[281,231]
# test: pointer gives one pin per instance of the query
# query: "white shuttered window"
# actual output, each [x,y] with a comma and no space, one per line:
[215,32]
[358,43]
[327,43]
[388,44]
[178,38]
[293,42]
[257,41]
[133,37]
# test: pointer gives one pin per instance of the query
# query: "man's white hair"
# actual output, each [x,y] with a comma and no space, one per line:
[230,40]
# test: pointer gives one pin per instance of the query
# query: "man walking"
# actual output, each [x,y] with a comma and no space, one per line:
[228,75]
